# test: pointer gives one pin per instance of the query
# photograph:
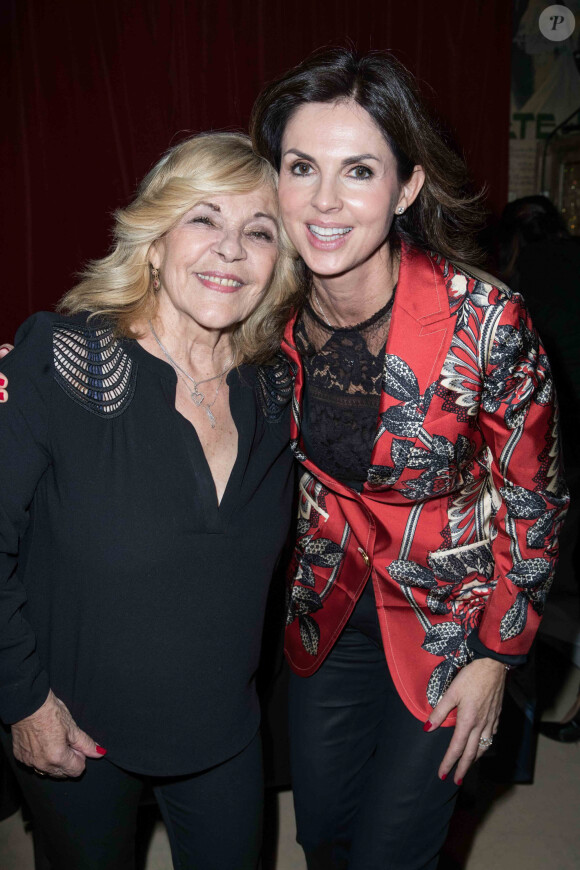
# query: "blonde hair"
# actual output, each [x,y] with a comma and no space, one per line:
[119,286]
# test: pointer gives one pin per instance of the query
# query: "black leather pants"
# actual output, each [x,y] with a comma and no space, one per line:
[364,772]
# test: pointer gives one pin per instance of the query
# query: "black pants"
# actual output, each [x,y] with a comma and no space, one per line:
[364,773]
[213,818]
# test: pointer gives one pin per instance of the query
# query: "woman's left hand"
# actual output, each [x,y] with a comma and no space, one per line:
[477,692]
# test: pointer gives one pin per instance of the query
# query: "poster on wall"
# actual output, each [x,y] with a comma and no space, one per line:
[545,86]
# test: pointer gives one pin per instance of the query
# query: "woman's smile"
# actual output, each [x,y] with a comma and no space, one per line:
[223,283]
[328,237]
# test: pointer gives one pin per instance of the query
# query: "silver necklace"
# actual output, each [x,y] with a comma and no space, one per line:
[196,396]
[321,309]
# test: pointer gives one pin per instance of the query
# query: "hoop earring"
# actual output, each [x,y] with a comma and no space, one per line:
[155,279]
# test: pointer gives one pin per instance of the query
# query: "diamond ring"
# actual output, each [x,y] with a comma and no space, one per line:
[484,742]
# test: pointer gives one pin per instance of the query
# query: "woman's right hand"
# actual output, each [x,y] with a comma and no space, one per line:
[51,742]
[4,349]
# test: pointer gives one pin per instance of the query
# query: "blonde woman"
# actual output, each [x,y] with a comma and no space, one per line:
[142,454]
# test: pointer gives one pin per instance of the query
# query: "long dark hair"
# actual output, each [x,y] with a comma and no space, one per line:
[446,215]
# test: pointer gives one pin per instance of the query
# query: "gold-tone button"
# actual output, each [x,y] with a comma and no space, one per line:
[365,556]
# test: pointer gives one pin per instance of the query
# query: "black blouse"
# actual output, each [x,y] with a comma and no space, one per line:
[124,586]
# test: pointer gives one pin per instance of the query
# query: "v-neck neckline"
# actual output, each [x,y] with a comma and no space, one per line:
[218,511]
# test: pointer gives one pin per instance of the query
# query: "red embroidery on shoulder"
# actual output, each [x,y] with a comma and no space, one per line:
[3,390]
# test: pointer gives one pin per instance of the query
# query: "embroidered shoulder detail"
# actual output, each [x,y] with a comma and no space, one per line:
[91,366]
[275,382]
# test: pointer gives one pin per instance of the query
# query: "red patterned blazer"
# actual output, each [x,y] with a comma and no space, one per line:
[457,522]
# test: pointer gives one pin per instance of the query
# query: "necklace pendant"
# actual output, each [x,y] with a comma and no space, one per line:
[210,417]
[197,397]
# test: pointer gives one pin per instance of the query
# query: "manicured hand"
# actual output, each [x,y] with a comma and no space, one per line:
[4,349]
[477,692]
[50,741]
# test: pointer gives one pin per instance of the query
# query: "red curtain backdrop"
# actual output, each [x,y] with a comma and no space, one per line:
[96,90]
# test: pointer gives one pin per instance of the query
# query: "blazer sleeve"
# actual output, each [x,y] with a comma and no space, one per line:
[24,459]
[519,422]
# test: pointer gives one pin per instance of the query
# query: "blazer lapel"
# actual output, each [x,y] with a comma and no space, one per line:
[419,338]
[291,351]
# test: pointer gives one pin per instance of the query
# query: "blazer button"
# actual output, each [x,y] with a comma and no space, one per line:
[365,556]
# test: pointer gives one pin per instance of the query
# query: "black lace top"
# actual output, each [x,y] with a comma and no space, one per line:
[343,369]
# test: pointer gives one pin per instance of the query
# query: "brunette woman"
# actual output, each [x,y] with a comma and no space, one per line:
[424,420]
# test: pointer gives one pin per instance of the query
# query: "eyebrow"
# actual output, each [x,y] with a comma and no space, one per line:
[354,158]
[264,214]
[258,214]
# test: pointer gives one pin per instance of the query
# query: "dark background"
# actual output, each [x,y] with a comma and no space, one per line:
[96,90]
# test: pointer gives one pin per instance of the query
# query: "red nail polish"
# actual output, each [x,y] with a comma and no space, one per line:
[100,750]
[427,726]
[459,782]
[443,776]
